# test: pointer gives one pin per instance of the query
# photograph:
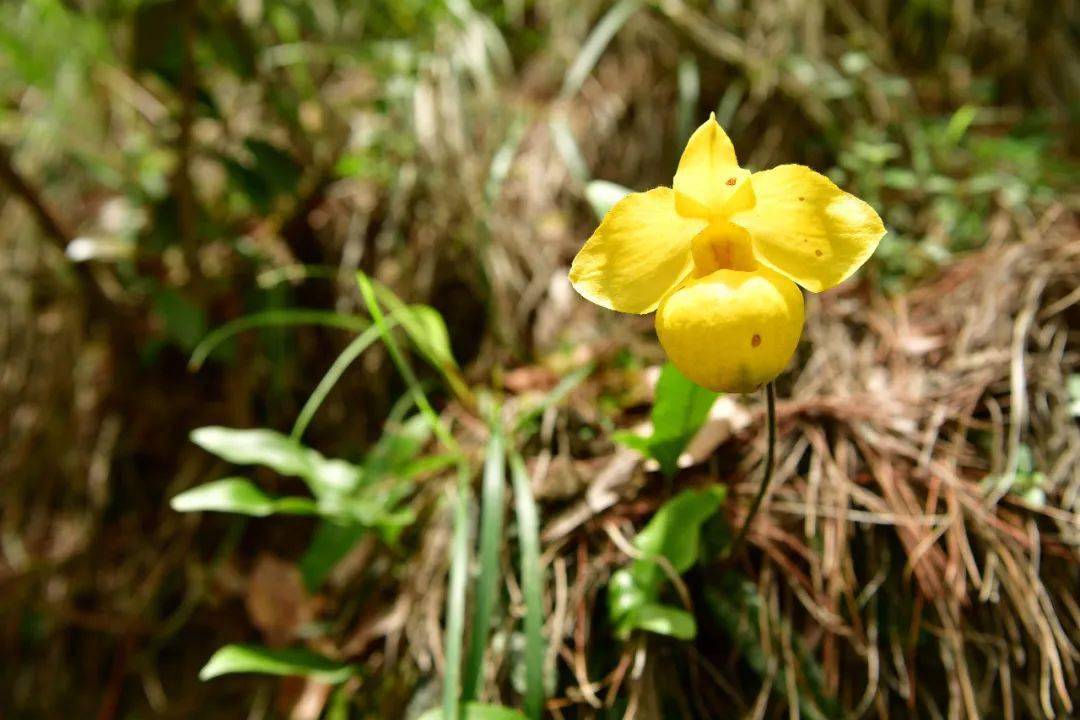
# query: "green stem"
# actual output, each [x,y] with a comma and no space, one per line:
[770,454]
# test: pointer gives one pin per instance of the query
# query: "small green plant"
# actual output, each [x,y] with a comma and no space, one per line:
[351,499]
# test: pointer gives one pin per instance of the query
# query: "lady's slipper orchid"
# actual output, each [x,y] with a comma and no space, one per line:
[718,256]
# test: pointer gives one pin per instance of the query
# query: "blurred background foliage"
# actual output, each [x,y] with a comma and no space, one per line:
[167,167]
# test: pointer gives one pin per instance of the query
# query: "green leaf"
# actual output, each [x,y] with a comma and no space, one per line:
[264,661]
[259,446]
[255,447]
[1074,394]
[675,528]
[528,521]
[427,331]
[476,711]
[665,620]
[491,525]
[680,409]
[674,533]
[241,496]
[454,636]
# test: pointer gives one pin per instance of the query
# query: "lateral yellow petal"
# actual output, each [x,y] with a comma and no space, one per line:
[709,173]
[806,228]
[639,252]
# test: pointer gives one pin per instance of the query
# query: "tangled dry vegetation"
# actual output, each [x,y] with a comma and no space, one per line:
[918,554]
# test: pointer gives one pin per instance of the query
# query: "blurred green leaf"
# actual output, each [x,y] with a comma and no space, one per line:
[265,661]
[427,331]
[240,496]
[602,196]
[259,446]
[665,620]
[476,711]
[331,542]
[594,45]
[256,447]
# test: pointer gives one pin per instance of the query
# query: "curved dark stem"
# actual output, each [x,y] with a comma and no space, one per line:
[770,454]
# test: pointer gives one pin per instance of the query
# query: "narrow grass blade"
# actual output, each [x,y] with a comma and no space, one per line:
[556,396]
[330,379]
[594,45]
[455,598]
[491,527]
[528,522]
[272,318]
[689,93]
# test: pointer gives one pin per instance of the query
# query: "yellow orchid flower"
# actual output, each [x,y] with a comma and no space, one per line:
[718,256]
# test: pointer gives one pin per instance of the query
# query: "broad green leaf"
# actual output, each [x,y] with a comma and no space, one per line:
[665,620]
[241,496]
[476,711]
[674,530]
[255,447]
[679,411]
[265,661]
[674,533]
[259,446]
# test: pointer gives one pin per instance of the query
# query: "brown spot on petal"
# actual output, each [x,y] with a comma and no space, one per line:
[755,341]
[731,181]
[818,253]
[801,198]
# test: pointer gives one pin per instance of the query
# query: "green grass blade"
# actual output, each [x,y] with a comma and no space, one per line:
[347,357]
[528,521]
[556,396]
[272,318]
[594,45]
[377,316]
[455,598]
[491,527]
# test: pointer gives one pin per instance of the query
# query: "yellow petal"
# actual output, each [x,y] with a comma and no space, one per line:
[709,174]
[731,331]
[640,251]
[806,228]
